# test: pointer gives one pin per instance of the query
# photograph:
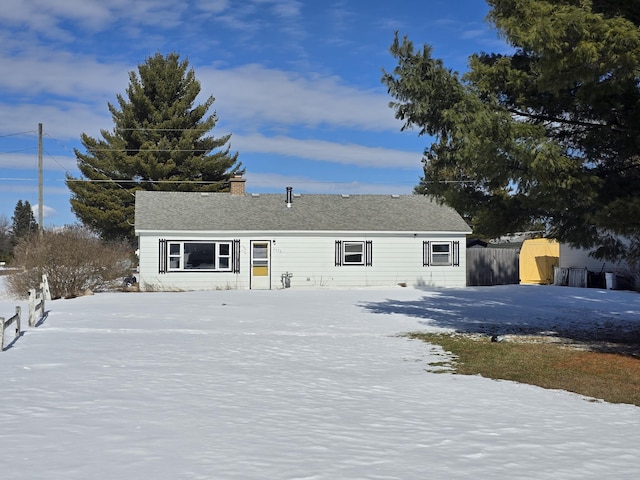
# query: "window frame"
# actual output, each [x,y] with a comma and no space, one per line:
[346,253]
[429,253]
[173,258]
[438,254]
[365,253]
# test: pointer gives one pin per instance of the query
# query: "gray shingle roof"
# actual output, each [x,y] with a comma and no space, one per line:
[167,211]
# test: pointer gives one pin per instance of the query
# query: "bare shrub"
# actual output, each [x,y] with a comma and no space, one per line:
[73,259]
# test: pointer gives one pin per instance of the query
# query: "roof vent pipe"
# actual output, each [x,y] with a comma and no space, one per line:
[289,196]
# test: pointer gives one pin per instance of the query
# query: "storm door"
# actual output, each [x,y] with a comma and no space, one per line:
[260,264]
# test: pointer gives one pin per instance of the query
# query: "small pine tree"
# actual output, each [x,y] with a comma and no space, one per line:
[160,141]
[23,221]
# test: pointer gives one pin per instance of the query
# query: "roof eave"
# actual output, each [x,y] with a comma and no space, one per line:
[302,232]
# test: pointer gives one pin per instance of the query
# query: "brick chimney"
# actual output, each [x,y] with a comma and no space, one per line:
[237,185]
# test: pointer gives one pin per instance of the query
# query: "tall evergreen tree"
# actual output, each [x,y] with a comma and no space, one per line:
[160,141]
[23,221]
[548,134]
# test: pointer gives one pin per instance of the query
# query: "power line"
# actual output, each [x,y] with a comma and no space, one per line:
[110,180]
[59,143]
[16,151]
[56,162]
[145,129]
[449,181]
[17,134]
[138,150]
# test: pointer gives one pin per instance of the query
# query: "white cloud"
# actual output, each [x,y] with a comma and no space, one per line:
[341,23]
[47,17]
[253,94]
[20,161]
[69,75]
[212,6]
[311,149]
[320,150]
[247,97]
[29,161]
[62,121]
[22,186]
[259,182]
[287,8]
[46,211]
[474,33]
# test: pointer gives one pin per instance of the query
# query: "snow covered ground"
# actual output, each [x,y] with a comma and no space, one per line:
[293,384]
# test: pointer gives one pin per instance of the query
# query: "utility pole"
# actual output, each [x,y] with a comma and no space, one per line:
[40,181]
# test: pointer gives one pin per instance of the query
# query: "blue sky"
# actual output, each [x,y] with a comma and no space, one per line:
[297,84]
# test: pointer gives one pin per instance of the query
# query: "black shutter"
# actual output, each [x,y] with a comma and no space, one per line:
[338,253]
[368,253]
[162,256]
[426,253]
[236,256]
[456,254]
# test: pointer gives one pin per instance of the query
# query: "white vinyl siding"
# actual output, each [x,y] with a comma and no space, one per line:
[311,261]
[580,258]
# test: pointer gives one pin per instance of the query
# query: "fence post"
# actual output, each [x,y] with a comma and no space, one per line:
[18,313]
[36,304]
[32,307]
[46,291]
[5,323]
[41,300]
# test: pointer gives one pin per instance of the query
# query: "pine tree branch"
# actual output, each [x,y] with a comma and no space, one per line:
[580,123]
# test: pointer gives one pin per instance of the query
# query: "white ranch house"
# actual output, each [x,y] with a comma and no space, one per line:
[236,240]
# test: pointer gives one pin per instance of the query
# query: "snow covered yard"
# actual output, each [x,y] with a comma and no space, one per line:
[294,384]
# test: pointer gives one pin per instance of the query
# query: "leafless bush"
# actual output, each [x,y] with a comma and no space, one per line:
[73,259]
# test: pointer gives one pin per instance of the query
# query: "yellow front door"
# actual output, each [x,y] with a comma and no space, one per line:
[260,264]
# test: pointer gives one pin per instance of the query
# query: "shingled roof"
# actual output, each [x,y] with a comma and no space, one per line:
[193,211]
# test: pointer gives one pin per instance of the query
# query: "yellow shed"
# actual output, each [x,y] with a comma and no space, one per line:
[538,256]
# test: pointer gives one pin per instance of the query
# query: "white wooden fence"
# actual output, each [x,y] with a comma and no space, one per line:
[37,298]
[6,323]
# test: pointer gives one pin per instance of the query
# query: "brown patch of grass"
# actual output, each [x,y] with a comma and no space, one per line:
[611,377]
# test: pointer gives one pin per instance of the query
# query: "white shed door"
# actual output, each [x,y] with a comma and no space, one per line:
[260,264]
